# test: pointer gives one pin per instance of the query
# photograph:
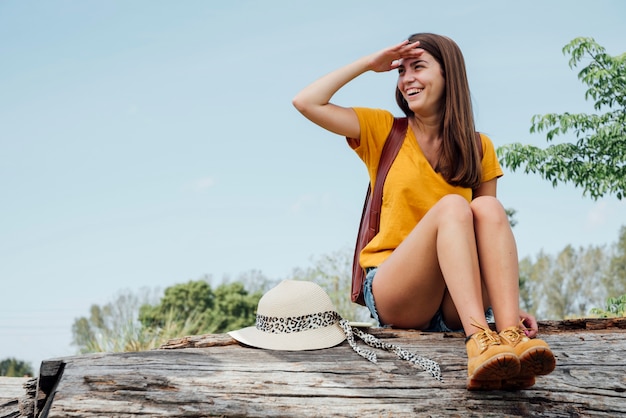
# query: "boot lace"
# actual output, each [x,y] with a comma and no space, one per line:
[515,335]
[486,337]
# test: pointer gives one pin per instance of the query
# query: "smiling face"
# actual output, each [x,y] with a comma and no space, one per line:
[422,85]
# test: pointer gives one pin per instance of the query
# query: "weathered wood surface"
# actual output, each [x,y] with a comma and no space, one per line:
[11,387]
[14,394]
[213,376]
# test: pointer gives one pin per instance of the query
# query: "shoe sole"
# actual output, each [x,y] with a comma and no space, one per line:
[490,374]
[536,361]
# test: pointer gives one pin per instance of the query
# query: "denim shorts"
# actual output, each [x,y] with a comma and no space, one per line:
[437,323]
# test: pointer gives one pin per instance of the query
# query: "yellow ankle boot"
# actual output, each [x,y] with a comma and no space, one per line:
[489,361]
[536,358]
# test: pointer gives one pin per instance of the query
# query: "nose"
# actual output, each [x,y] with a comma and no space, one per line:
[408,76]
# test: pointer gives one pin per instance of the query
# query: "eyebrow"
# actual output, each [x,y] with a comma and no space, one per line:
[412,62]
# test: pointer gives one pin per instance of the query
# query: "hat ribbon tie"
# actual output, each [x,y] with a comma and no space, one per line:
[279,325]
[423,363]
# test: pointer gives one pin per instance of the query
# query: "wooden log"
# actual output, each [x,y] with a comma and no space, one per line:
[212,375]
[15,396]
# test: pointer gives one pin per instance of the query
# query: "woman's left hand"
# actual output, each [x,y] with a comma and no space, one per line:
[530,323]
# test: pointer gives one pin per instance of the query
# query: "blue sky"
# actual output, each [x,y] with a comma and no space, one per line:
[147,143]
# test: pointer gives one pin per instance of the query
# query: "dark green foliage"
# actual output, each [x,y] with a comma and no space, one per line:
[234,308]
[178,302]
[229,307]
[12,367]
[615,307]
[596,161]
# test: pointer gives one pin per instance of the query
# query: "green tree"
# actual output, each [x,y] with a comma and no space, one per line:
[615,307]
[113,326]
[526,286]
[12,367]
[204,310]
[134,322]
[615,280]
[566,285]
[178,303]
[234,308]
[532,274]
[596,162]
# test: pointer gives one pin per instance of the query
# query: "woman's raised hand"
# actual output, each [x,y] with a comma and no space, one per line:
[389,58]
[314,100]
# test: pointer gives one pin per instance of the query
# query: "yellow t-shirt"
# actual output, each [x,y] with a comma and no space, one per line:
[412,186]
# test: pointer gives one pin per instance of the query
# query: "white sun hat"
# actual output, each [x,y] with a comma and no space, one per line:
[295,315]
[298,315]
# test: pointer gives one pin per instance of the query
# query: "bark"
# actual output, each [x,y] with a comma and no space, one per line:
[212,375]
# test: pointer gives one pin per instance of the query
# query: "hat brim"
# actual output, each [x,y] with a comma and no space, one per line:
[312,339]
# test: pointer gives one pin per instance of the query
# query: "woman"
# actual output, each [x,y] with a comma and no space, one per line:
[445,253]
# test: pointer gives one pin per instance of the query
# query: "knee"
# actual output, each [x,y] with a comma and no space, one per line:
[488,208]
[455,207]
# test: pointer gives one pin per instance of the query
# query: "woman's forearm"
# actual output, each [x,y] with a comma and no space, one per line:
[323,89]
[314,100]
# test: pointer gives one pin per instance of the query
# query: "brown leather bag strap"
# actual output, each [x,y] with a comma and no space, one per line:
[370,218]
[390,151]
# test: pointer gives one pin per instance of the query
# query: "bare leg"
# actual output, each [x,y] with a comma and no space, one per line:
[440,253]
[498,259]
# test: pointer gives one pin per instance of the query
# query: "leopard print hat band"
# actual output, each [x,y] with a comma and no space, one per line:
[299,315]
[300,323]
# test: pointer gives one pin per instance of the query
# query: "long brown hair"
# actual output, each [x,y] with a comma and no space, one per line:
[459,161]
